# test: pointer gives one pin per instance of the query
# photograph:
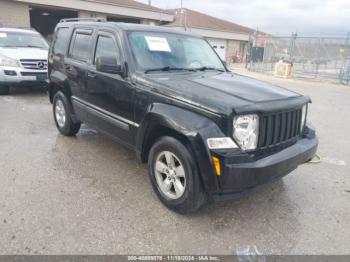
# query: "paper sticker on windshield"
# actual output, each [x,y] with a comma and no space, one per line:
[158,44]
[3,35]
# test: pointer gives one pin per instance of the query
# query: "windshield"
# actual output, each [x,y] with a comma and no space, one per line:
[168,51]
[16,39]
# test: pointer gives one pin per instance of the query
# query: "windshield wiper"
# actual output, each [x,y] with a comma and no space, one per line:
[168,68]
[35,46]
[206,68]
[31,46]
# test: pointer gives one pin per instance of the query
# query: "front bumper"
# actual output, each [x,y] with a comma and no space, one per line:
[17,76]
[240,178]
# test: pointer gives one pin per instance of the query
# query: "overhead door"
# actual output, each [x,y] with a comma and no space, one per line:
[219,46]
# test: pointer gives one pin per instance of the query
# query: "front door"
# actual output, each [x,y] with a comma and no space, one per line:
[111,95]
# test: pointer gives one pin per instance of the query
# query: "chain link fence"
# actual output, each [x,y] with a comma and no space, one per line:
[311,57]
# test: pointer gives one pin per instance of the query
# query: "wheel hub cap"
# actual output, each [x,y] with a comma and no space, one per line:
[170,175]
[60,113]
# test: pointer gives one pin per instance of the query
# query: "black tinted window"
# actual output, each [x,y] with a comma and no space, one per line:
[107,47]
[61,41]
[80,49]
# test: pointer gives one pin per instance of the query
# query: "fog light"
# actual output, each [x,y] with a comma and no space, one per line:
[217,165]
[221,143]
[10,72]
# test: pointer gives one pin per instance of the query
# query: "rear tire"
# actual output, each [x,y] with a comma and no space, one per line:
[4,90]
[62,113]
[174,176]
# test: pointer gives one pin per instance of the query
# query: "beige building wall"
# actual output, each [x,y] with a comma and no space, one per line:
[149,22]
[236,49]
[87,14]
[232,50]
[14,14]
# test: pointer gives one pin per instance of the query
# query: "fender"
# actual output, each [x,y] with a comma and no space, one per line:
[60,81]
[196,128]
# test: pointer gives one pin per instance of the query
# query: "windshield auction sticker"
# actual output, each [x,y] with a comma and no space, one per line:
[159,44]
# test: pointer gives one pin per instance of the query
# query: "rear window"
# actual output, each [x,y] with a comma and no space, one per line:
[60,42]
[80,46]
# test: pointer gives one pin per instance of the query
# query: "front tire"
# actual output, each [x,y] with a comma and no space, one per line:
[4,90]
[62,114]
[174,176]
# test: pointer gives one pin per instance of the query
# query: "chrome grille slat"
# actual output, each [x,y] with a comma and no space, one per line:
[33,64]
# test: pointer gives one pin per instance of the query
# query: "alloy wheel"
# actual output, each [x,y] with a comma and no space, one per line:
[60,113]
[170,175]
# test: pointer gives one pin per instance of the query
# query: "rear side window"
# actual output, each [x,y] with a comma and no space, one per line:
[80,46]
[61,40]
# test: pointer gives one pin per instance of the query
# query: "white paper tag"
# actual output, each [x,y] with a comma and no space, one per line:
[3,35]
[158,44]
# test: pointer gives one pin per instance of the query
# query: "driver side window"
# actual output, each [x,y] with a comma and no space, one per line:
[106,46]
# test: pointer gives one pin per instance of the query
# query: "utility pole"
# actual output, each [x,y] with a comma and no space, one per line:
[149,2]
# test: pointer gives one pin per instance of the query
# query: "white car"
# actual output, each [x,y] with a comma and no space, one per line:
[23,58]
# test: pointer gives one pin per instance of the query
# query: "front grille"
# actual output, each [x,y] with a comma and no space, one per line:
[278,128]
[34,64]
[33,74]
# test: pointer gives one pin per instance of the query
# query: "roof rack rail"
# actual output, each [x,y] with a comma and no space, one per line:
[93,19]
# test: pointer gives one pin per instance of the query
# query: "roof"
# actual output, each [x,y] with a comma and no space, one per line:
[150,28]
[129,27]
[131,4]
[195,19]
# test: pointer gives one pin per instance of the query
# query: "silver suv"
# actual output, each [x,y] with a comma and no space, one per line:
[23,58]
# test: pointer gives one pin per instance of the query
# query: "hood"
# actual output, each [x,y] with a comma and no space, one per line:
[24,53]
[222,93]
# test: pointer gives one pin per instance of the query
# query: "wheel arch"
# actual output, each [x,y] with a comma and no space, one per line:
[188,127]
[54,87]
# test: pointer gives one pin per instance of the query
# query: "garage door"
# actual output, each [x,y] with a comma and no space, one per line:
[219,46]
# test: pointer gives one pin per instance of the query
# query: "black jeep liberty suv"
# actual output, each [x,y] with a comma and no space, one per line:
[205,132]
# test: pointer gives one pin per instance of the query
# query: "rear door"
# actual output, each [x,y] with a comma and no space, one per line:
[76,65]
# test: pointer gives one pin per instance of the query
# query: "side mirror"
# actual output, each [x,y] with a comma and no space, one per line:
[108,65]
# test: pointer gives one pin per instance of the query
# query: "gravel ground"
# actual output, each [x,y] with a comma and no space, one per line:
[89,195]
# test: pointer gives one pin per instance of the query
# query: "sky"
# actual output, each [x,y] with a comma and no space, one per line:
[278,17]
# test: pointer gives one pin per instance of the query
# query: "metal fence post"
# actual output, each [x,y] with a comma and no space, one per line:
[318,57]
[344,72]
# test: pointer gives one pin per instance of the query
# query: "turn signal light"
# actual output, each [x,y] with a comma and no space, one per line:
[217,165]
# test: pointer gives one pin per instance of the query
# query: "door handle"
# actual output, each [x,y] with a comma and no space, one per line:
[91,75]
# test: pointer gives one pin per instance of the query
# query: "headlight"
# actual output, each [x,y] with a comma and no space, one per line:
[6,61]
[303,117]
[246,131]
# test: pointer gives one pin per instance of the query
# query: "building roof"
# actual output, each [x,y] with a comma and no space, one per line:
[196,19]
[132,4]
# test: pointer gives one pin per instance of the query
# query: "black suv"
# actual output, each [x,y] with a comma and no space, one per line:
[205,132]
